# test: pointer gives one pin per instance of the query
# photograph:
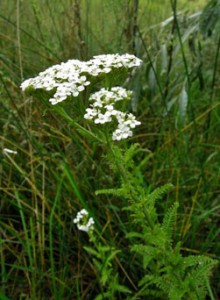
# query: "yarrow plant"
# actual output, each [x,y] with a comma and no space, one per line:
[165,272]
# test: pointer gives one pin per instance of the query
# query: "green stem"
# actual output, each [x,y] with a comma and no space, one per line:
[209,290]
[118,163]
[123,173]
[74,123]
[147,215]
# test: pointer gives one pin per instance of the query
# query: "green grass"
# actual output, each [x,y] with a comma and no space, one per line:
[57,171]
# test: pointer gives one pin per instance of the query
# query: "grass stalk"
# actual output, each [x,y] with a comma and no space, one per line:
[19,38]
[51,240]
[209,115]
[27,247]
[153,68]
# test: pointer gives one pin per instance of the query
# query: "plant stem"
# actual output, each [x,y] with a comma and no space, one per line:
[123,173]
[147,215]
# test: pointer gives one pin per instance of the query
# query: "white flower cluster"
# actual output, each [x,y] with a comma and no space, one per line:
[83,222]
[71,77]
[102,111]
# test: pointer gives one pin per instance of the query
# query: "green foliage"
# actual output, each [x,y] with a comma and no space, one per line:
[60,165]
[167,270]
[210,18]
[106,270]
[179,280]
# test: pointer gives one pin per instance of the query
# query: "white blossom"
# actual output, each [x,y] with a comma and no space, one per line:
[71,77]
[83,222]
[102,110]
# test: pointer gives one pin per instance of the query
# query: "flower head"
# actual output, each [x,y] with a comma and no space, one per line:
[71,77]
[102,110]
[83,222]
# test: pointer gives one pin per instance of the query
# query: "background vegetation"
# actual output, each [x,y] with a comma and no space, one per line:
[56,172]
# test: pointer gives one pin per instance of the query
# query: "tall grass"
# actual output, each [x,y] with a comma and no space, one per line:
[57,171]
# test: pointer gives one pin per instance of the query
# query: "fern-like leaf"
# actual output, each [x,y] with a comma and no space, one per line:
[158,193]
[115,192]
[168,222]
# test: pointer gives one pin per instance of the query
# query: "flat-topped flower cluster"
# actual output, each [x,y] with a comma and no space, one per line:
[102,111]
[71,78]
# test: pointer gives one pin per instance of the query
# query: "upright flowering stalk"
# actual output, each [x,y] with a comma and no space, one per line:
[69,79]
[166,272]
[103,257]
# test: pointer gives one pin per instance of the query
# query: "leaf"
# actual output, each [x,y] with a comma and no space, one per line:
[136,91]
[169,105]
[87,134]
[183,102]
[210,17]
[91,251]
[169,220]
[147,280]
[122,289]
[186,35]
[100,297]
[152,79]
[158,193]
[134,234]
[164,60]
[116,192]
[3,296]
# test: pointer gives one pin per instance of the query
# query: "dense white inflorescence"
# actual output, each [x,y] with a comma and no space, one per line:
[71,78]
[83,222]
[102,110]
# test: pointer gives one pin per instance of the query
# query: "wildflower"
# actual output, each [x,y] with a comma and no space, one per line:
[71,77]
[121,133]
[117,61]
[131,121]
[102,111]
[83,222]
[103,118]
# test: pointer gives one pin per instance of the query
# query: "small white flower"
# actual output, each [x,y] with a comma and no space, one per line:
[103,118]
[80,88]
[122,132]
[131,121]
[109,107]
[116,136]
[105,100]
[91,113]
[83,222]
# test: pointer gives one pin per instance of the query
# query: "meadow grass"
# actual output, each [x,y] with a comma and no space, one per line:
[56,171]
